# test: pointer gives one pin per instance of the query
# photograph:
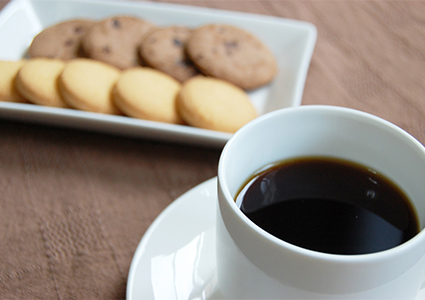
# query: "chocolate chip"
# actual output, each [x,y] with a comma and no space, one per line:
[179,62]
[116,24]
[177,42]
[106,49]
[183,62]
[79,30]
[231,46]
[69,43]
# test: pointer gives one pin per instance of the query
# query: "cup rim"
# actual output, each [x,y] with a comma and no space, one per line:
[401,249]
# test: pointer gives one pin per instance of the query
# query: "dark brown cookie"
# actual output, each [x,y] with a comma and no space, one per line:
[116,40]
[61,41]
[164,50]
[232,54]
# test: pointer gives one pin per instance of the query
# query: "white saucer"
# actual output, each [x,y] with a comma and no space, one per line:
[176,257]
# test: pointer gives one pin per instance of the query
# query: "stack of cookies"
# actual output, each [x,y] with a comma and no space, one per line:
[128,66]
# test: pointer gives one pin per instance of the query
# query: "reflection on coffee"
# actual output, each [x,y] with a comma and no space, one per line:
[329,205]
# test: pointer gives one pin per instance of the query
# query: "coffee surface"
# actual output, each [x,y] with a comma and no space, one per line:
[329,205]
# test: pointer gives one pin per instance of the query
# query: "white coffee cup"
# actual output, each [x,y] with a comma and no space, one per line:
[253,264]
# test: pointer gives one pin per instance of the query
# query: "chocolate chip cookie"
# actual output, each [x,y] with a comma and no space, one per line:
[61,41]
[164,50]
[232,54]
[116,40]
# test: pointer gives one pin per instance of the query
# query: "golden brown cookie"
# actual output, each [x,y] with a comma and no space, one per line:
[164,50]
[148,94]
[61,41]
[116,40]
[8,72]
[215,104]
[232,54]
[87,84]
[37,81]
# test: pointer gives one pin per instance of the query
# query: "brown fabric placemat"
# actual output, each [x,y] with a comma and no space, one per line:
[74,205]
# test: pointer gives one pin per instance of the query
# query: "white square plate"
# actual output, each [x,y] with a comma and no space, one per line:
[292,42]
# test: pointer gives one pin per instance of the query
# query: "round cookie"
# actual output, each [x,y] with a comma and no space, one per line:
[116,40]
[148,94]
[61,41]
[164,50]
[37,81]
[8,71]
[215,104]
[232,54]
[87,85]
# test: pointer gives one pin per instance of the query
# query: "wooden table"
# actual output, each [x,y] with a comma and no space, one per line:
[74,204]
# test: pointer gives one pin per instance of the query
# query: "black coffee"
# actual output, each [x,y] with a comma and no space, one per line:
[329,205]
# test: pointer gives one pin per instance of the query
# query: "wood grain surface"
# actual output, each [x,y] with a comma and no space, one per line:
[75,204]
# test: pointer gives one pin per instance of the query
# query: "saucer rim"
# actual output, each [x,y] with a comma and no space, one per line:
[192,195]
